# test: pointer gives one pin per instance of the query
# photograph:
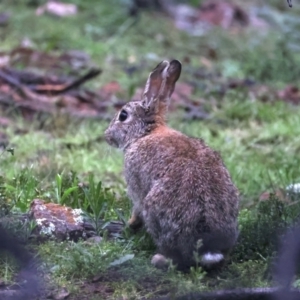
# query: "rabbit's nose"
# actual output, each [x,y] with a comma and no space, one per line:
[107,135]
[109,138]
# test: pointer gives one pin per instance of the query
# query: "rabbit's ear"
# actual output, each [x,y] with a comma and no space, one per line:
[154,83]
[173,74]
[160,84]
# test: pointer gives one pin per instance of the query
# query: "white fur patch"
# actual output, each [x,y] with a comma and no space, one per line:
[211,258]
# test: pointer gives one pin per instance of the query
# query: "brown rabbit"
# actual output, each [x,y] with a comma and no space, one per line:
[180,189]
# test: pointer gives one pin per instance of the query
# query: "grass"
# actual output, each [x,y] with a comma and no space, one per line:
[258,140]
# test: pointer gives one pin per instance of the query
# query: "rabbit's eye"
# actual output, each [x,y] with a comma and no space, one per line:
[123,115]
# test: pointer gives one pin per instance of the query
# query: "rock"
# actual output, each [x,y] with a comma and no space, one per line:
[94,239]
[62,294]
[62,222]
[58,221]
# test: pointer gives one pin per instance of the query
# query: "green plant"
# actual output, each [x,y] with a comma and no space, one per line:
[278,65]
[8,268]
[257,136]
[98,202]
[81,260]
[9,150]
[196,272]
[261,227]
[65,195]
[22,189]
[28,228]
[19,226]
[5,204]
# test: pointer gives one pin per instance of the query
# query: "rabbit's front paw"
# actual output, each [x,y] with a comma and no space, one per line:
[135,222]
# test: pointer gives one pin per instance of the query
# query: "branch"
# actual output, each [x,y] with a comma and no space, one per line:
[51,89]
[62,88]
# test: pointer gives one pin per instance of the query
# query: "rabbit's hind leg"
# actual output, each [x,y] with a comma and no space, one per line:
[135,222]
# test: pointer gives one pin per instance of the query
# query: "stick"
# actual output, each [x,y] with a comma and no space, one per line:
[53,89]
[57,89]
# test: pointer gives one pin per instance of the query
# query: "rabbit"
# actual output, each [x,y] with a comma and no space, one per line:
[180,188]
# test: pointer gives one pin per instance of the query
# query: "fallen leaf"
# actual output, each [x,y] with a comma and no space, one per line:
[223,13]
[57,8]
[5,122]
[290,94]
[110,88]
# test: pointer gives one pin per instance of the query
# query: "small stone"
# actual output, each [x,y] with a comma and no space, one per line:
[61,295]
[54,220]
[94,239]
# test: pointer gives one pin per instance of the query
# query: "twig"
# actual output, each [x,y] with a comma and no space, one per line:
[10,80]
[52,89]
[62,88]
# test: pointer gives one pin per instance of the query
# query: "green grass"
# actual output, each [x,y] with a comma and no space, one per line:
[258,140]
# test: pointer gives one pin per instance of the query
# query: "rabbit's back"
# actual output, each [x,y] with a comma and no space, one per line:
[181,185]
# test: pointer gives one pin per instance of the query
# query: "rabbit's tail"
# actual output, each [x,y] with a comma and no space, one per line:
[208,259]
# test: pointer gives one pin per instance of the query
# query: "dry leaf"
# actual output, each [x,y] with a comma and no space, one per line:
[57,8]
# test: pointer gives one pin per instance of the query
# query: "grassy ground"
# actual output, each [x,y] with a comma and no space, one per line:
[259,141]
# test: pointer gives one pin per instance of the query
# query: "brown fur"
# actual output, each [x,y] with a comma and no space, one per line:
[179,187]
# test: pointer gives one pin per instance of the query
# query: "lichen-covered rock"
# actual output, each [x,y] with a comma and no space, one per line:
[58,221]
